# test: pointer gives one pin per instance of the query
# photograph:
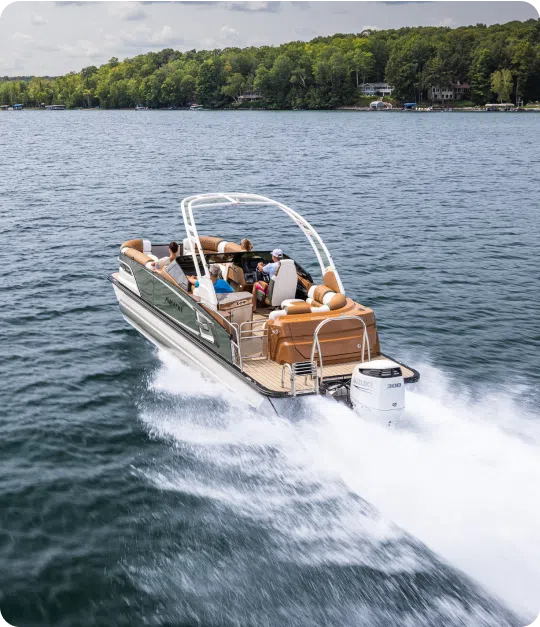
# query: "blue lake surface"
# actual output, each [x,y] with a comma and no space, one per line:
[135,492]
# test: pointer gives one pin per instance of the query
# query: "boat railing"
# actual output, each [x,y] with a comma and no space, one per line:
[316,346]
[253,339]
[237,354]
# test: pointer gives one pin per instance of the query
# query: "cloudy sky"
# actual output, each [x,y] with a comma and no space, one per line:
[51,38]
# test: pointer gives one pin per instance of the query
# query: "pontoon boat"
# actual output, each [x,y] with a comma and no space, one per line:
[307,338]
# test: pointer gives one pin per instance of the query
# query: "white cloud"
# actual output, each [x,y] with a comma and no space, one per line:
[254,5]
[18,36]
[37,20]
[228,37]
[250,6]
[125,29]
[14,66]
[446,21]
[142,37]
[83,48]
[129,11]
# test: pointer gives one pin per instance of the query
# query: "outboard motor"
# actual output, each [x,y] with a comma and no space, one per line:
[377,386]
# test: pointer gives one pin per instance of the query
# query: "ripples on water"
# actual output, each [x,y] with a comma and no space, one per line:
[133,491]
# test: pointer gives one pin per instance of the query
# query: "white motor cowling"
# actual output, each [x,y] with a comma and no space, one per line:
[377,386]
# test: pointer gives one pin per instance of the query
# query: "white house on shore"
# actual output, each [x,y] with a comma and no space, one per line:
[455,91]
[253,96]
[377,89]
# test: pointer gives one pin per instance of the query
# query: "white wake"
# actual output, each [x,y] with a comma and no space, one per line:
[461,475]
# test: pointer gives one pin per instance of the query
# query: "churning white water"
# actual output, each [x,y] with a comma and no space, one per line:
[461,475]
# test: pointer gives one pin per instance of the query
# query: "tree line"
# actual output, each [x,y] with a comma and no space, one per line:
[498,62]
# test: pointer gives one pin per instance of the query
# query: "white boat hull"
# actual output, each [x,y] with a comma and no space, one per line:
[163,335]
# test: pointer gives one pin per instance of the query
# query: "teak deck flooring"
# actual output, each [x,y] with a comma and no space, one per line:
[268,374]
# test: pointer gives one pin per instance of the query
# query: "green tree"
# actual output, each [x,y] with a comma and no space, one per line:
[524,59]
[362,63]
[480,75]
[501,84]
[210,81]
[235,86]
[322,73]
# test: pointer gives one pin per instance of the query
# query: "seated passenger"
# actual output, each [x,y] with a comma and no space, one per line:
[220,286]
[162,263]
[264,276]
[246,245]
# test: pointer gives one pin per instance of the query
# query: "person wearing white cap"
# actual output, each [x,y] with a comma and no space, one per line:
[260,289]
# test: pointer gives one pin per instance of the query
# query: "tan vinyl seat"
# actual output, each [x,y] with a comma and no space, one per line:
[213,244]
[138,256]
[322,298]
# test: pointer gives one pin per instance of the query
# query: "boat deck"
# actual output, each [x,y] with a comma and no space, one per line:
[268,374]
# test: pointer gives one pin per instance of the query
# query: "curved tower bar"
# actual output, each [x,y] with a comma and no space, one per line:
[209,201]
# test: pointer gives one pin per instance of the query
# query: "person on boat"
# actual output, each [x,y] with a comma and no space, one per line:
[162,263]
[220,286]
[264,276]
[246,245]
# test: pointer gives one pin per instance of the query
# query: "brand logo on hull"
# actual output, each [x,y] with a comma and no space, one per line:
[174,303]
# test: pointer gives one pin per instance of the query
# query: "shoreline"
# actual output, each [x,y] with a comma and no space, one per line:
[343,108]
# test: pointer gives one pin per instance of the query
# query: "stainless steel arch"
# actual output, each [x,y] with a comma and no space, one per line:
[214,200]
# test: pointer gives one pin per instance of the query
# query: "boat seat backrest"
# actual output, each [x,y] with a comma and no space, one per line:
[136,244]
[137,256]
[330,280]
[212,244]
[142,245]
[283,284]
[322,298]
[229,247]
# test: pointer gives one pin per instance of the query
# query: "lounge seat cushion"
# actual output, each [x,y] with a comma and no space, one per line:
[289,301]
[137,256]
[322,298]
[293,309]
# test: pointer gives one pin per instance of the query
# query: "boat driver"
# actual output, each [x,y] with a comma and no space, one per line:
[162,263]
[220,286]
[264,276]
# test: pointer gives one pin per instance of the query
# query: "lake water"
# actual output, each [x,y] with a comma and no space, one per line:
[135,492]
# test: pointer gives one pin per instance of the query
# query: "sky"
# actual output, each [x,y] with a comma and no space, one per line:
[53,38]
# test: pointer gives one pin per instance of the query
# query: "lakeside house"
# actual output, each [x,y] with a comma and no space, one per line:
[454,91]
[377,89]
[253,96]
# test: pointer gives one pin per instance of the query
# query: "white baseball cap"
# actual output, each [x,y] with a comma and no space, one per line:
[277,252]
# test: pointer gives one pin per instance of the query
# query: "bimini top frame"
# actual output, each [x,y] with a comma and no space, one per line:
[210,201]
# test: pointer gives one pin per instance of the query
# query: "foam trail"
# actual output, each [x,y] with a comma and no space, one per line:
[185,380]
[461,476]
